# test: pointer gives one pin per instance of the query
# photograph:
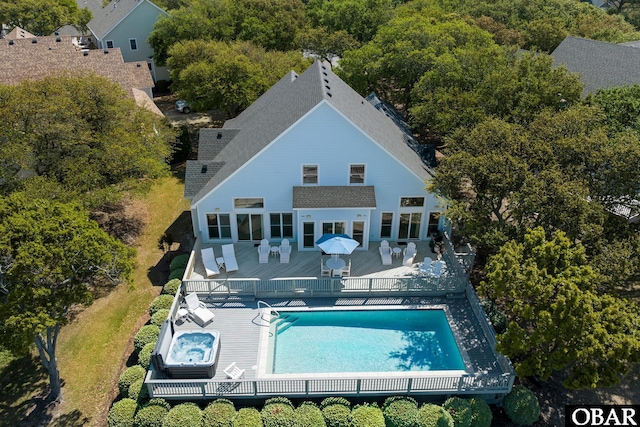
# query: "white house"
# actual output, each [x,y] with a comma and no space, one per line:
[310,156]
[126,24]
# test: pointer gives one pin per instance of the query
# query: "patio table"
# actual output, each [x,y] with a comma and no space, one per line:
[397,252]
[275,250]
[335,263]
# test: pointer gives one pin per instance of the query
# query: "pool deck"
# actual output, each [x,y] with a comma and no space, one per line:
[240,324]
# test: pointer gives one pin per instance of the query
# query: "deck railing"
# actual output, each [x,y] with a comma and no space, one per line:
[493,386]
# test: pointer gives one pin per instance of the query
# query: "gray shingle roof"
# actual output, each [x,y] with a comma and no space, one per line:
[109,16]
[288,100]
[600,65]
[199,173]
[348,196]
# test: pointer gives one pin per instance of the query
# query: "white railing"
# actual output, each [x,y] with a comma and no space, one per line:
[486,384]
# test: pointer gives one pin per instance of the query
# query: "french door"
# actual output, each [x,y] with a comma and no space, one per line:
[409,226]
[250,226]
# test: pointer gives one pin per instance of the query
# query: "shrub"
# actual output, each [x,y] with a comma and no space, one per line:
[150,416]
[497,318]
[160,302]
[171,287]
[219,413]
[335,400]
[128,377]
[146,334]
[521,406]
[137,390]
[481,415]
[184,414]
[400,411]
[337,415]
[159,317]
[157,401]
[308,415]
[144,357]
[433,416]
[460,411]
[277,412]
[367,416]
[179,262]
[176,274]
[121,413]
[248,417]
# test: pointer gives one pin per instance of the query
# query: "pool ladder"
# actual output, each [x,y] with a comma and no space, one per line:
[273,310]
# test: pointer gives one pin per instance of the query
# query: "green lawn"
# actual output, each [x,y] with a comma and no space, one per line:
[93,350]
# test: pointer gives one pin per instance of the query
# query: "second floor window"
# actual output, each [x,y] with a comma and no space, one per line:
[309,174]
[356,174]
[133,44]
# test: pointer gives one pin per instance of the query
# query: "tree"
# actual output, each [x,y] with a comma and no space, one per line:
[41,17]
[325,44]
[227,76]
[557,320]
[83,134]
[621,106]
[52,259]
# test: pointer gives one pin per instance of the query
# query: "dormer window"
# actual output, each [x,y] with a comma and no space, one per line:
[356,174]
[309,174]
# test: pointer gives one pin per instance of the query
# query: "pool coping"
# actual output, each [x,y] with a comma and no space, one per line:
[265,355]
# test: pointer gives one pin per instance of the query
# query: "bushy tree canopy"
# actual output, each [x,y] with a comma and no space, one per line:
[43,17]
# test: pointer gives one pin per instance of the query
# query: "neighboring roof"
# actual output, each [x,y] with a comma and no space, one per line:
[109,16]
[289,100]
[600,65]
[347,196]
[18,33]
[143,100]
[36,58]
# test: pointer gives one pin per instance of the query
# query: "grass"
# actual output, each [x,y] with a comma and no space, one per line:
[94,349]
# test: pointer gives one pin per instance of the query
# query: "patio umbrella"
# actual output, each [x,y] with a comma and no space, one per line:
[337,244]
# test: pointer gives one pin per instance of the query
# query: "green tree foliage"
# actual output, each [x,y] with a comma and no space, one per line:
[228,76]
[325,44]
[52,258]
[78,137]
[43,17]
[621,106]
[521,406]
[557,320]
[360,19]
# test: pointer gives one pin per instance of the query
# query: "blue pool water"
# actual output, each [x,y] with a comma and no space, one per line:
[192,348]
[364,341]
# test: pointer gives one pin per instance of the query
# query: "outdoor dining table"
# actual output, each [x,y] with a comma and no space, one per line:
[335,263]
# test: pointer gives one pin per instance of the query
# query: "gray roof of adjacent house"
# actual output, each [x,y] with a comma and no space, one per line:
[109,16]
[334,196]
[601,65]
[280,107]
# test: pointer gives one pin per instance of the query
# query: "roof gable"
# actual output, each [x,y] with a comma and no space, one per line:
[115,12]
[288,101]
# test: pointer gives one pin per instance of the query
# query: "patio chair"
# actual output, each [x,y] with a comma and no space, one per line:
[336,272]
[425,268]
[410,253]
[233,371]
[436,270]
[209,260]
[385,253]
[263,251]
[198,310]
[285,251]
[229,255]
[324,270]
[346,270]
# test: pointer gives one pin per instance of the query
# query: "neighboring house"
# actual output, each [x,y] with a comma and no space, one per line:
[126,24]
[37,57]
[600,65]
[18,33]
[310,156]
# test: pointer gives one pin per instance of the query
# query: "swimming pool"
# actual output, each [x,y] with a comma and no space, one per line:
[357,341]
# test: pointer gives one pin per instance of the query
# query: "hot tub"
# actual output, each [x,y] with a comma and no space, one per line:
[193,353]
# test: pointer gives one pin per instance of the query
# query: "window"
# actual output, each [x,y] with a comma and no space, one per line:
[358,232]
[308,236]
[387,225]
[337,227]
[356,174]
[281,225]
[109,44]
[309,174]
[248,203]
[249,226]
[411,201]
[434,220]
[219,226]
[409,225]
[133,44]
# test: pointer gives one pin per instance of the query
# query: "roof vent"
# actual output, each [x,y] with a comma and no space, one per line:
[58,39]
[10,42]
[324,73]
[219,136]
[34,41]
[327,86]
[204,169]
[324,68]
[106,50]
[85,53]
[329,94]
[138,65]
[56,33]
[326,81]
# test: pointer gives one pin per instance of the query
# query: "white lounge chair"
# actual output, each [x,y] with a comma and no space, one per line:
[233,371]
[324,270]
[229,255]
[263,251]
[209,260]
[436,270]
[410,253]
[285,251]
[385,253]
[198,310]
[425,268]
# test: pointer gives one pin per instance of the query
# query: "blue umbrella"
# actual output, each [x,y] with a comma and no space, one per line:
[337,244]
